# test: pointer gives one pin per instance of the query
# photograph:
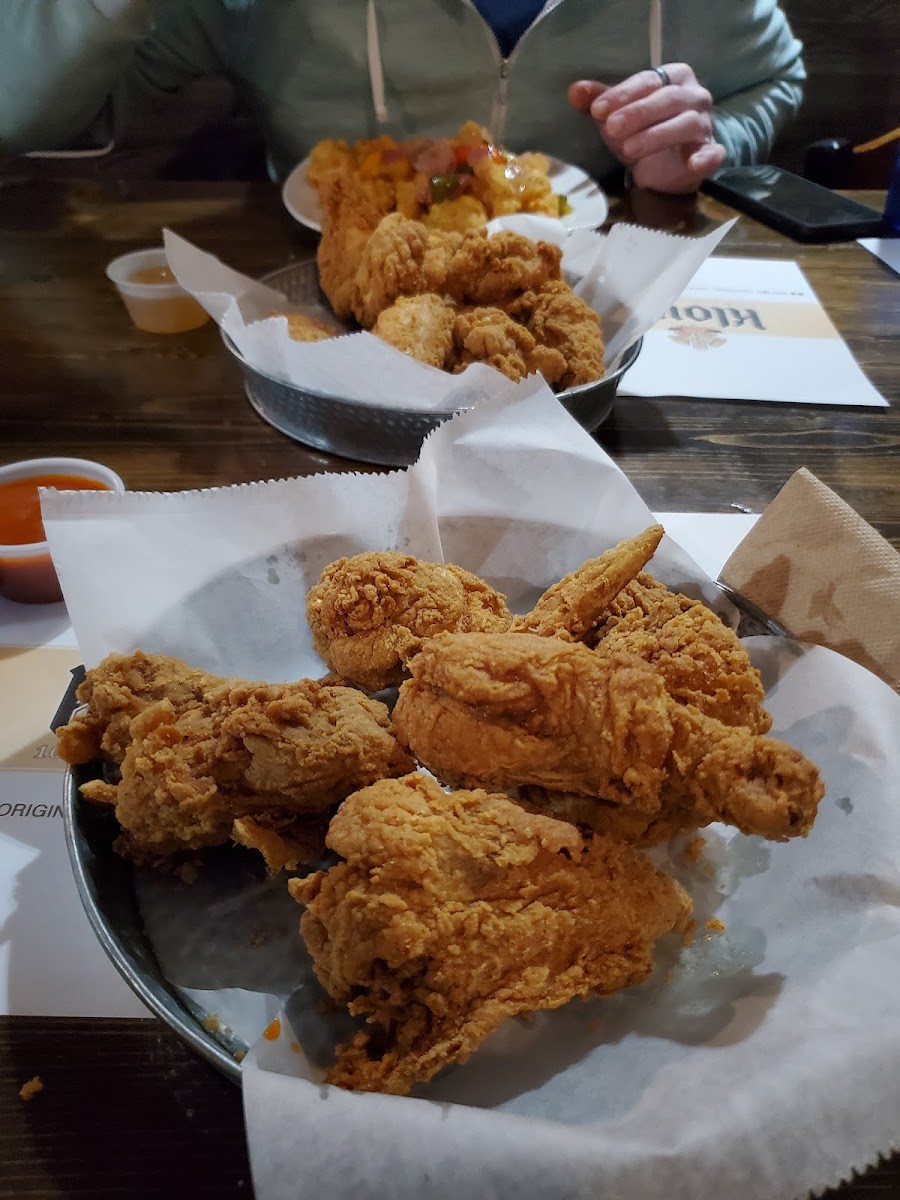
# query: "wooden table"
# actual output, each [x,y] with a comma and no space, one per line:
[130,1111]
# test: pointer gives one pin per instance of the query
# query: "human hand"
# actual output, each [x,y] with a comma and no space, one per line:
[662,132]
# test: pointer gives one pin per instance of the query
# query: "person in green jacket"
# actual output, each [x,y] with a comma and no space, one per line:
[672,89]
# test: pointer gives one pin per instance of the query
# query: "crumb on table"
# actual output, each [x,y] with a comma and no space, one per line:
[211,1023]
[239,1055]
[30,1089]
[714,925]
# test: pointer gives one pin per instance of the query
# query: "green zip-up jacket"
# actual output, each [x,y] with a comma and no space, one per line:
[79,69]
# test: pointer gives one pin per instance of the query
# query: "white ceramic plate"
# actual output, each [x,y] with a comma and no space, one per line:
[588,201]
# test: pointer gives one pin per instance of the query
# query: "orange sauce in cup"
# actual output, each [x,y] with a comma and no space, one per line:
[152,275]
[20,507]
[31,578]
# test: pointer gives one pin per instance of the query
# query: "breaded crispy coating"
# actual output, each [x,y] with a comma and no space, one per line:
[452,912]
[198,751]
[119,688]
[700,658]
[488,335]
[562,321]
[573,607]
[421,326]
[495,270]
[511,709]
[267,752]
[368,613]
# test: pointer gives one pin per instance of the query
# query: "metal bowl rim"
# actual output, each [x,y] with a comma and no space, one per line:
[176,1016]
[627,361]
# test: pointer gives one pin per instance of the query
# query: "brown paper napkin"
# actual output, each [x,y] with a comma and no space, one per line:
[813,564]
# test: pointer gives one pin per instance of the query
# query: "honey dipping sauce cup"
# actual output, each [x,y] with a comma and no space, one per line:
[27,574]
[155,301]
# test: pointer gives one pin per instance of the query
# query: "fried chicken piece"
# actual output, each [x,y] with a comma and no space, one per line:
[564,322]
[421,326]
[370,612]
[122,686]
[573,607]
[400,258]
[350,214]
[295,843]
[606,603]
[495,270]
[701,660]
[267,752]
[626,824]
[453,912]
[488,335]
[328,156]
[303,328]
[507,710]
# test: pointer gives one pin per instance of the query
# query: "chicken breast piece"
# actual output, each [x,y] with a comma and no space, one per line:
[452,912]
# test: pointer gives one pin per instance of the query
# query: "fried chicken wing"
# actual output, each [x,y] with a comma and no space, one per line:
[573,607]
[453,912]
[370,612]
[701,660]
[610,604]
[562,321]
[513,709]
[267,752]
[488,335]
[421,326]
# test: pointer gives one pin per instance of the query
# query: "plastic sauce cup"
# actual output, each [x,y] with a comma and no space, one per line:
[155,307]
[27,574]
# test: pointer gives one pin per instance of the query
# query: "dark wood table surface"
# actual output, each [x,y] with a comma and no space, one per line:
[127,1108]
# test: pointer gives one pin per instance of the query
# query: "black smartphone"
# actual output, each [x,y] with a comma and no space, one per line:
[793,205]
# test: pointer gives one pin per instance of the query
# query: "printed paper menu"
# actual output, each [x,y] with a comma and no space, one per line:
[749,329]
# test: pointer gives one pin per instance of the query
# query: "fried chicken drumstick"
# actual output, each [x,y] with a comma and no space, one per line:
[506,710]
[453,912]
[370,612]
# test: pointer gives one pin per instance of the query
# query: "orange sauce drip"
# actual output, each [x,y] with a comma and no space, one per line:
[152,275]
[20,508]
[273,1031]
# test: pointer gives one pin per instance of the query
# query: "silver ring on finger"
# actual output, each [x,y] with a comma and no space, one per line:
[663,75]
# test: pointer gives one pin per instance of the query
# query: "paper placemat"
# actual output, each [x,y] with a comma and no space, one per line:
[887,249]
[51,964]
[749,329]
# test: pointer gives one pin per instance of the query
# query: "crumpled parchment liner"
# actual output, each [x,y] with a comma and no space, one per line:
[765,1066]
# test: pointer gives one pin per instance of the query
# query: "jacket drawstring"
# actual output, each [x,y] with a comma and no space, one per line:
[656,59]
[376,68]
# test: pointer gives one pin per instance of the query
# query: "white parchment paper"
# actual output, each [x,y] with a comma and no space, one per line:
[514,490]
[629,276]
[765,1065]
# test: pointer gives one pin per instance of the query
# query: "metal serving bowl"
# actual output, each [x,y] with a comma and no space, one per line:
[389,437]
[106,886]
